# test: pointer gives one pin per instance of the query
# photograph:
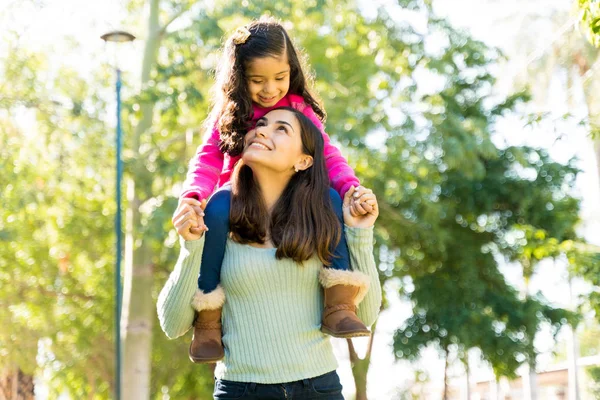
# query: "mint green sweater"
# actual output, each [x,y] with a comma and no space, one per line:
[272,312]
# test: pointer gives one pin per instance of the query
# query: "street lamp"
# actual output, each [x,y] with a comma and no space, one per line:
[118,37]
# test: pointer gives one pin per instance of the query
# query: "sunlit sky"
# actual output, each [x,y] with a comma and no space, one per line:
[495,22]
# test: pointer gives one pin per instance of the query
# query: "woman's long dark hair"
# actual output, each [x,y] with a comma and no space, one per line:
[302,222]
[232,109]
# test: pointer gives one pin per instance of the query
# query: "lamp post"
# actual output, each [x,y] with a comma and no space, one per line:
[118,37]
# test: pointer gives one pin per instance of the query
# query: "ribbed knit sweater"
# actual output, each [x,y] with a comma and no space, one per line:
[273,308]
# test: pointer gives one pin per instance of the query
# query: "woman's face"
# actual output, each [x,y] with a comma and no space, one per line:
[275,142]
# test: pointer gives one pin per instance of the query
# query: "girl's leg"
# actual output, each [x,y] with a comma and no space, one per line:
[341,255]
[343,288]
[216,218]
[206,346]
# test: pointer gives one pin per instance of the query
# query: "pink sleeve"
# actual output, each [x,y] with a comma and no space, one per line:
[340,173]
[204,169]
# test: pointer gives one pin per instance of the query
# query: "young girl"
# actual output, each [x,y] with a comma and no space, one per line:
[281,224]
[260,70]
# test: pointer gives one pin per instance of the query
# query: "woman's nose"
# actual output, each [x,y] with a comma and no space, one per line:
[260,131]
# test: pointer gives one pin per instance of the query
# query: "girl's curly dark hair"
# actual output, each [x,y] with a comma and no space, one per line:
[232,110]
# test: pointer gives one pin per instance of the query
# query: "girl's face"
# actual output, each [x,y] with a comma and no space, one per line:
[268,79]
[276,143]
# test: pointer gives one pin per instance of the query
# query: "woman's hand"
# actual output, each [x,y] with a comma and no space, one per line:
[360,207]
[188,219]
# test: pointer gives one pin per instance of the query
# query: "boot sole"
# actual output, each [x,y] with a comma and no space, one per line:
[345,335]
[204,360]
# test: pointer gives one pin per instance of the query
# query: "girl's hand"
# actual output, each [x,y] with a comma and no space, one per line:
[361,203]
[365,203]
[188,219]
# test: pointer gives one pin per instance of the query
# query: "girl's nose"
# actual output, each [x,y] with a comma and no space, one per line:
[268,87]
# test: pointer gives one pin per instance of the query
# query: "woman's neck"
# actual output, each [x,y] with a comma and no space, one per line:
[272,184]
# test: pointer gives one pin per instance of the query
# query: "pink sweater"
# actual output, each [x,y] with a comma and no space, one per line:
[210,167]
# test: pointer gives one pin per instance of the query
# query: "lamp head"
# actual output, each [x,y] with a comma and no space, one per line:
[118,37]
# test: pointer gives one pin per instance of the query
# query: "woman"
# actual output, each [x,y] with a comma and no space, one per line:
[282,231]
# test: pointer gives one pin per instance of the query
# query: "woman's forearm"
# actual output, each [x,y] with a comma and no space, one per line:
[175,312]
[360,244]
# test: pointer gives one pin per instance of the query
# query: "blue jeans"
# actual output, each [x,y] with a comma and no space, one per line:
[216,218]
[324,387]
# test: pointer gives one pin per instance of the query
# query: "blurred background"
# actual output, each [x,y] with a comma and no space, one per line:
[475,123]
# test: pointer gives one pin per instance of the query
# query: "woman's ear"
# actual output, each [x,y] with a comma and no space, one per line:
[304,163]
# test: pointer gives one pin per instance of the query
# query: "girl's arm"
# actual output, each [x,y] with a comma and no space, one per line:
[341,174]
[204,169]
[174,308]
[360,245]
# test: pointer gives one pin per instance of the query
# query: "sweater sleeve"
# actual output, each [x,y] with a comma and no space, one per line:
[204,169]
[175,312]
[360,245]
[341,175]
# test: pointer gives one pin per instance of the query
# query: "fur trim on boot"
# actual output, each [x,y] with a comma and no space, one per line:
[331,277]
[208,301]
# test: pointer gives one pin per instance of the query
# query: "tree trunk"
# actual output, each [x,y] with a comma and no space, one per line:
[494,389]
[467,371]
[572,353]
[529,378]
[138,307]
[359,372]
[530,383]
[592,101]
[597,153]
[360,367]
[446,363]
[16,385]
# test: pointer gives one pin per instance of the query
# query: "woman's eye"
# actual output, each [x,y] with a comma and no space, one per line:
[279,79]
[260,123]
[257,82]
[282,128]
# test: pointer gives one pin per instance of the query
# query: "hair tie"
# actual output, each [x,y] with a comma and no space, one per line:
[241,35]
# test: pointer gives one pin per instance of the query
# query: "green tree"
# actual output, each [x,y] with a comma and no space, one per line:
[590,17]
[55,227]
[351,97]
[470,200]
[473,306]
[428,159]
[420,149]
[568,54]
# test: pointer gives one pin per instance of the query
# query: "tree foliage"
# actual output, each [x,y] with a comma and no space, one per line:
[590,18]
[484,204]
[56,269]
[416,117]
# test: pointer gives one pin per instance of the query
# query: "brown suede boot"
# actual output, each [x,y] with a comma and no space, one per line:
[343,291]
[206,346]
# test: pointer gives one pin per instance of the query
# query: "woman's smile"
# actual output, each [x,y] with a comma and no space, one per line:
[259,146]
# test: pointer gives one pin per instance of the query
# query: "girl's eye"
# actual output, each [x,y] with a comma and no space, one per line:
[283,128]
[279,79]
[257,82]
[260,123]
